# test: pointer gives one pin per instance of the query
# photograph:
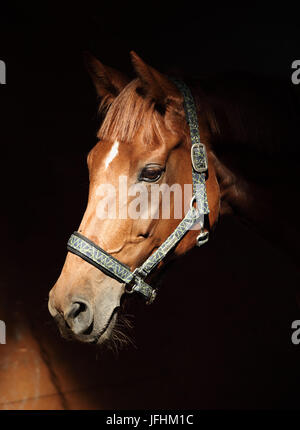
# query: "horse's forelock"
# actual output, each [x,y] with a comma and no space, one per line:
[133,111]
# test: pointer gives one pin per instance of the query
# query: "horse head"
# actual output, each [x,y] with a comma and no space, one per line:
[144,140]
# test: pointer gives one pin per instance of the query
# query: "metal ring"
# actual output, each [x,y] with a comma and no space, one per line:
[193,199]
[129,291]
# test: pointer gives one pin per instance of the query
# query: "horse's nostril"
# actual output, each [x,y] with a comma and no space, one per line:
[79,317]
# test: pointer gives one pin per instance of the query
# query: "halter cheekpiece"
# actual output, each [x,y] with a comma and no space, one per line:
[135,281]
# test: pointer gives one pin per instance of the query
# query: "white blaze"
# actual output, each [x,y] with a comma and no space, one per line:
[112,154]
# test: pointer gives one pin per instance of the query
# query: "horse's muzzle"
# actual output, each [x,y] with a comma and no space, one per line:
[78,322]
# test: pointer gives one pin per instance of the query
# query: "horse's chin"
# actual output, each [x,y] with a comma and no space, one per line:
[105,333]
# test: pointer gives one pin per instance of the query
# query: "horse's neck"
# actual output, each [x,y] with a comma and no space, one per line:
[247,131]
[263,208]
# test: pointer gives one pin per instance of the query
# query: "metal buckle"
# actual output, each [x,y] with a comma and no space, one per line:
[133,281]
[152,298]
[139,272]
[138,276]
[199,157]
[202,238]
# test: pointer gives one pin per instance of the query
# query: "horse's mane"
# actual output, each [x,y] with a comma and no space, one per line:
[251,113]
[243,112]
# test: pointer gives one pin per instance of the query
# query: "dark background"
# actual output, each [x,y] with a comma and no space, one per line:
[223,342]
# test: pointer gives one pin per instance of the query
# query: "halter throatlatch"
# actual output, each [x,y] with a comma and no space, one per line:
[135,281]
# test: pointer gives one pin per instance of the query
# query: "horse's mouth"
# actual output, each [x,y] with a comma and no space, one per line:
[105,333]
[93,337]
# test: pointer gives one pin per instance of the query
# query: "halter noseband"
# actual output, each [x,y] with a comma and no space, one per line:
[134,281]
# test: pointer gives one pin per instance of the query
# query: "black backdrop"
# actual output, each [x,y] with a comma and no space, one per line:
[243,314]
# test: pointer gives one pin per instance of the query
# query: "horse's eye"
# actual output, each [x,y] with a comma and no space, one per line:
[151,173]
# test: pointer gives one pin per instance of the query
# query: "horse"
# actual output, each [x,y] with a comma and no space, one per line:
[145,137]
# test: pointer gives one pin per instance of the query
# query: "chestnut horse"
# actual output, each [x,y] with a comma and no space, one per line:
[145,137]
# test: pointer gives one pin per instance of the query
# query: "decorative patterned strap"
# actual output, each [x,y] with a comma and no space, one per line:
[93,254]
[191,218]
[190,109]
[198,152]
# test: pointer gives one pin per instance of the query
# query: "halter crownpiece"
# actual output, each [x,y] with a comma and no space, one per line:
[135,281]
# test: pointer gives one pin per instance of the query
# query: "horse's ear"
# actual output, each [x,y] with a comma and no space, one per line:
[156,84]
[108,81]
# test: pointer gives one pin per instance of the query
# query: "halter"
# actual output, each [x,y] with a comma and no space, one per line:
[135,281]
